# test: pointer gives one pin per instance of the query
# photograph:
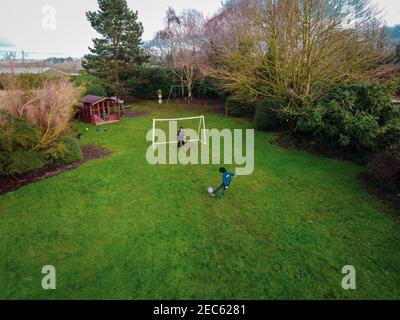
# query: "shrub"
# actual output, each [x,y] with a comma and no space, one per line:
[353,119]
[335,125]
[373,98]
[23,81]
[396,84]
[208,88]
[34,124]
[65,151]
[17,134]
[236,108]
[383,170]
[19,152]
[390,134]
[21,161]
[268,118]
[143,83]
[92,85]
[31,81]
[50,107]
[18,142]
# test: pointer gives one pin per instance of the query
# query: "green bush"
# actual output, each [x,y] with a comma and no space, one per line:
[354,119]
[66,151]
[16,133]
[208,88]
[396,84]
[18,140]
[92,84]
[18,148]
[268,118]
[24,161]
[236,108]
[31,81]
[25,81]
[390,133]
[143,83]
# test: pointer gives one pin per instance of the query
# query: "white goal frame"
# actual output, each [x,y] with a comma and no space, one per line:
[202,126]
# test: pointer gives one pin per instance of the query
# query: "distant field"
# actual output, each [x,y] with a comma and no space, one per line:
[119,228]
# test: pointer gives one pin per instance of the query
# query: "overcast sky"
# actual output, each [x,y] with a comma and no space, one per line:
[21,22]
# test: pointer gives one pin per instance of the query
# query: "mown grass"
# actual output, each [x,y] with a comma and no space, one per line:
[119,228]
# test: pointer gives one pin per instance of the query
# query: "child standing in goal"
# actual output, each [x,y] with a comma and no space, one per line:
[226,182]
[181,137]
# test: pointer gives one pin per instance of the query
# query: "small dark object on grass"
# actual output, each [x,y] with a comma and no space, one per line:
[105,130]
[79,136]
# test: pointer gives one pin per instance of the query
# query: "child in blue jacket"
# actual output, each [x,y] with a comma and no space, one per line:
[226,182]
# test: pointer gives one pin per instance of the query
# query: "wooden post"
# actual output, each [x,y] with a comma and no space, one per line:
[90,113]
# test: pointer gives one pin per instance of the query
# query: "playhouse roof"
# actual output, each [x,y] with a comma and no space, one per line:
[92,99]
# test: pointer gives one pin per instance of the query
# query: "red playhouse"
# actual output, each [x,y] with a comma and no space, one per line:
[101,110]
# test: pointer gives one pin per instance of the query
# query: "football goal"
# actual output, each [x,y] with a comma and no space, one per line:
[171,127]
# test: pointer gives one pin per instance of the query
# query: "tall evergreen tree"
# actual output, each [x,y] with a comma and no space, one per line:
[118,50]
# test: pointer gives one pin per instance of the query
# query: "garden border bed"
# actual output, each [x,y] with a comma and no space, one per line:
[90,152]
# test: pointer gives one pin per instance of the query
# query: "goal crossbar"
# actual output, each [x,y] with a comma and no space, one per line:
[202,126]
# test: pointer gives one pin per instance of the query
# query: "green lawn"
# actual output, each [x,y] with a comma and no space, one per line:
[119,228]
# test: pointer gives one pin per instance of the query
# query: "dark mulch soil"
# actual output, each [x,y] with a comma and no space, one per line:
[90,152]
[391,199]
[135,114]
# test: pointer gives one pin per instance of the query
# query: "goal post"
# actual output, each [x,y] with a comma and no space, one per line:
[201,130]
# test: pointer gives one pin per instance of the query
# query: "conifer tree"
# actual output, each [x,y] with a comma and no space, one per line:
[118,50]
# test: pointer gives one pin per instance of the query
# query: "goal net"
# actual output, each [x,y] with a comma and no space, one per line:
[194,127]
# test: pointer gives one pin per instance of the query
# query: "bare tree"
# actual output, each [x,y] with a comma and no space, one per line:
[297,48]
[226,29]
[179,46]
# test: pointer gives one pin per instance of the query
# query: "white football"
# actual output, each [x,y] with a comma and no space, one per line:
[210,190]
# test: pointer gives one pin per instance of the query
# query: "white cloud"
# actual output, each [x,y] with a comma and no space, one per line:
[390,10]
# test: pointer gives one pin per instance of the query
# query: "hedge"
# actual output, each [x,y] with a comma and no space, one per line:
[236,108]
[267,116]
